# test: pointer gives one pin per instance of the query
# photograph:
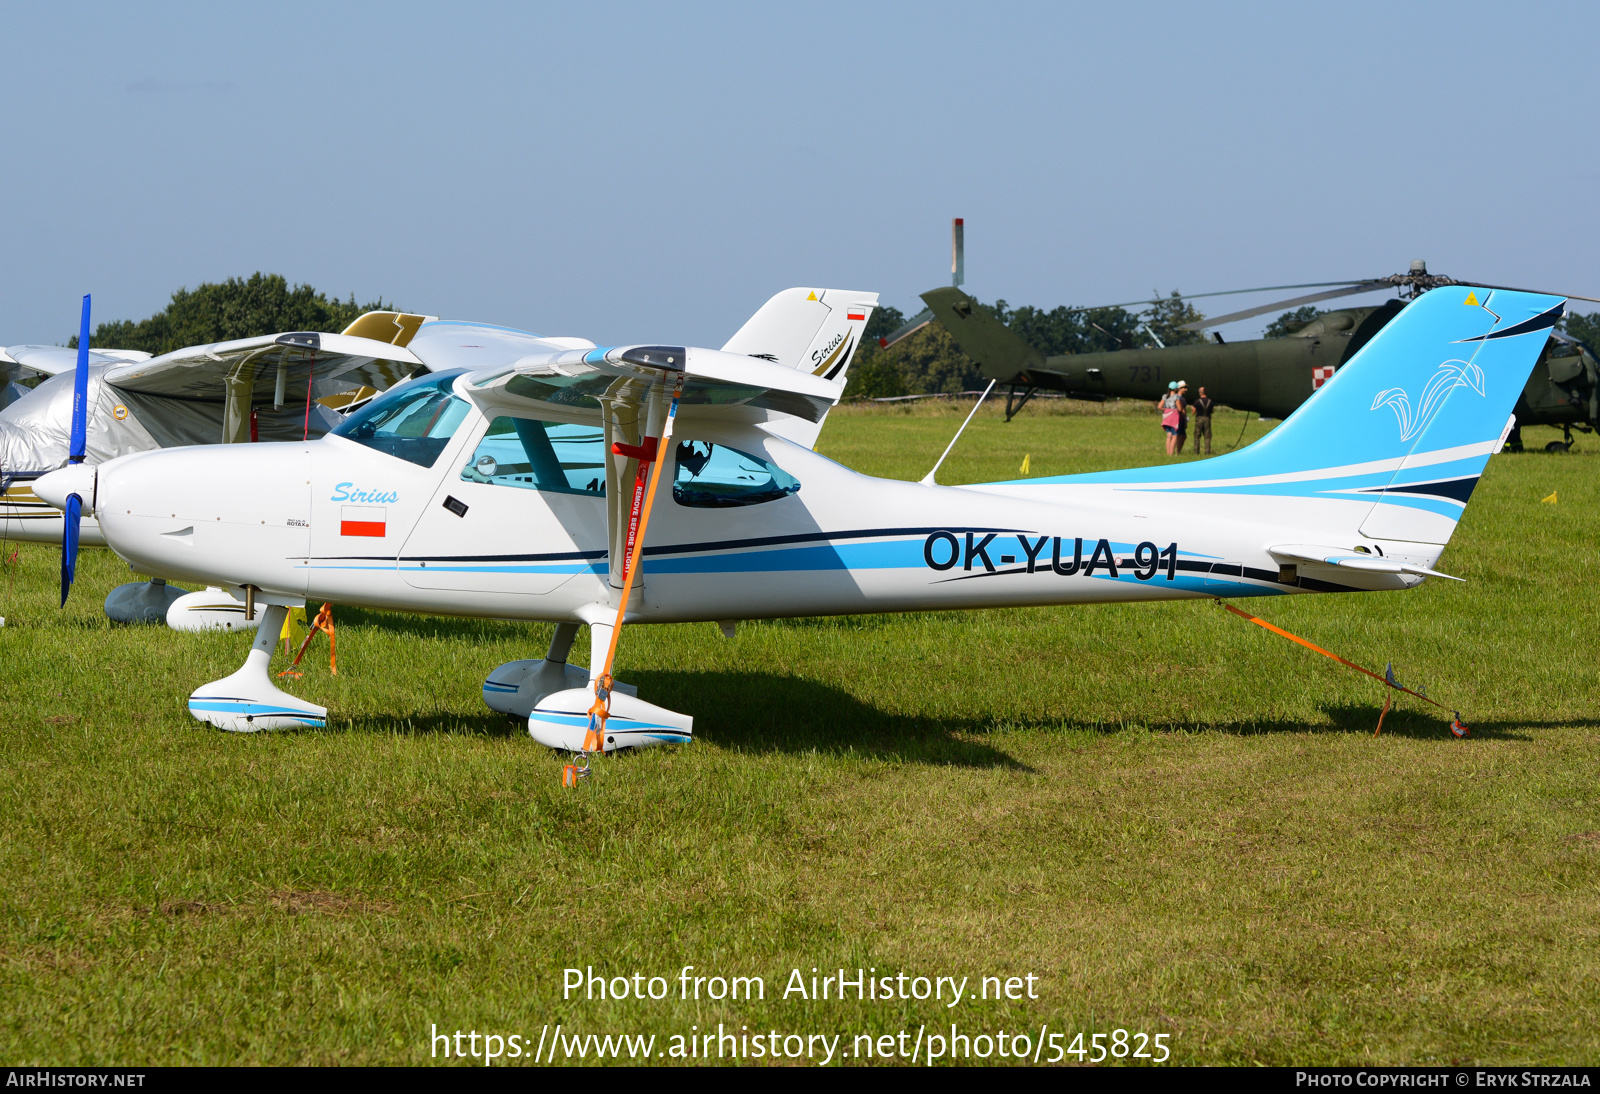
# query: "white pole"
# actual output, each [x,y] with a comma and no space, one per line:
[928,479]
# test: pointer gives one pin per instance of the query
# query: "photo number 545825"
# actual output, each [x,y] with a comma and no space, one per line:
[1119,1044]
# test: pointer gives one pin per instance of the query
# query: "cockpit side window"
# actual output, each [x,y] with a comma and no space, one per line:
[554,456]
[714,476]
[413,422]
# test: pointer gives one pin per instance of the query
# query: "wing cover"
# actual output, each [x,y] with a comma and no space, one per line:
[50,360]
[331,362]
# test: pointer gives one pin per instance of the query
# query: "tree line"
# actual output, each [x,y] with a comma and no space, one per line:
[928,362]
[222,311]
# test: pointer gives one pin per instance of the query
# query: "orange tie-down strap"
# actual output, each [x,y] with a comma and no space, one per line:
[323,622]
[1456,726]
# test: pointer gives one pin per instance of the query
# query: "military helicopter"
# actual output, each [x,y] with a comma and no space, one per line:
[1270,376]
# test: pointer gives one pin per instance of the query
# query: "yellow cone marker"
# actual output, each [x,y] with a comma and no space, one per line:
[1551,500]
[1023,470]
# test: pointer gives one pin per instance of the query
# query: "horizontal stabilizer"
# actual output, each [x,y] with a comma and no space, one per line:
[1334,556]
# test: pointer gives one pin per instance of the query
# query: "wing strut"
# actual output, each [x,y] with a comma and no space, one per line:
[648,453]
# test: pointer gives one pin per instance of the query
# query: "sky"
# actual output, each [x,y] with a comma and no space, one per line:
[654,172]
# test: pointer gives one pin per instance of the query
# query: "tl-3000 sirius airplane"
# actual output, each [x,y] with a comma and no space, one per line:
[500,489]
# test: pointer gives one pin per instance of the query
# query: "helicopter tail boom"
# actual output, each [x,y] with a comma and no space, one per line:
[999,353]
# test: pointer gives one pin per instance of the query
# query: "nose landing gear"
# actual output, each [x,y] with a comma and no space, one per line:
[248,701]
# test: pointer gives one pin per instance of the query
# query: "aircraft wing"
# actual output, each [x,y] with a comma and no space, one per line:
[577,379]
[278,368]
[452,343]
[49,360]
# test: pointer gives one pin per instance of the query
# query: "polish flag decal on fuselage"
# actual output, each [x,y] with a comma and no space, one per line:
[364,520]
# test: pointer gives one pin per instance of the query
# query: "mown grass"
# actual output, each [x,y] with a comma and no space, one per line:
[1180,823]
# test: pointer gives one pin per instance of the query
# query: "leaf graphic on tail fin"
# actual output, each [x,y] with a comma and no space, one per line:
[1451,375]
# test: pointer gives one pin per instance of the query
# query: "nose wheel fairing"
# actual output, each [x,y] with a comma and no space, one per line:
[561,721]
[248,701]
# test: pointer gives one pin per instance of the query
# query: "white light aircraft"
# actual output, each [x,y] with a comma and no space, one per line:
[509,486]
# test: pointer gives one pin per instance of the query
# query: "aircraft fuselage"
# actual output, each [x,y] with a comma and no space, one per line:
[334,520]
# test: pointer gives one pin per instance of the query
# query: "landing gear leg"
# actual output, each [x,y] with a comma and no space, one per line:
[248,701]
[1011,395]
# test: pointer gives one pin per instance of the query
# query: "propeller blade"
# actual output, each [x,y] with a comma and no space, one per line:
[80,392]
[69,544]
[80,442]
[1293,302]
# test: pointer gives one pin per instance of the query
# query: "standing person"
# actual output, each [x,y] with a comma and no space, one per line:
[1170,414]
[1183,418]
[1202,421]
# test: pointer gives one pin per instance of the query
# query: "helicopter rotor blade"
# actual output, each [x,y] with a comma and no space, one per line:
[1228,292]
[1292,302]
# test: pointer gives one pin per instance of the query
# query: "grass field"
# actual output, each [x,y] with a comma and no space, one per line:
[1177,822]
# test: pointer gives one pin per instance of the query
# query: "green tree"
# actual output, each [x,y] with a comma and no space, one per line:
[926,363]
[1168,315]
[235,308]
[1585,328]
[933,364]
[875,373]
[1070,330]
[929,362]
[1291,321]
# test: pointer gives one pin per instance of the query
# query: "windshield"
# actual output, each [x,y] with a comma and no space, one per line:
[413,422]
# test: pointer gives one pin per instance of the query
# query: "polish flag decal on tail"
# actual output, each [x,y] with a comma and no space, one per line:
[364,520]
[858,316]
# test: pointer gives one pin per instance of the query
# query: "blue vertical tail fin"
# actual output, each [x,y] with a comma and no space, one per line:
[1396,440]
